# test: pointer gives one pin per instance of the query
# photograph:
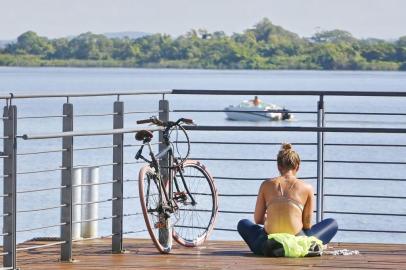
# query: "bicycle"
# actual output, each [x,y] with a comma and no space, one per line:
[179,198]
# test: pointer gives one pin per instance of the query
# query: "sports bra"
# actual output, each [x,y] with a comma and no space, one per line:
[282,198]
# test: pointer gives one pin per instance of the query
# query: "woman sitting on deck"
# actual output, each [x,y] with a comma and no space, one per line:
[284,205]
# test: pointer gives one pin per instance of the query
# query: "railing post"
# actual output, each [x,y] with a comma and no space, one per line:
[320,160]
[164,163]
[163,116]
[66,176]
[118,171]
[10,187]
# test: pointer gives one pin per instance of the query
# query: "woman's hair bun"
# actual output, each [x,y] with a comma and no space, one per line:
[288,158]
[286,146]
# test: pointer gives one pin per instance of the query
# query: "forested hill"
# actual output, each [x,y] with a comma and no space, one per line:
[265,46]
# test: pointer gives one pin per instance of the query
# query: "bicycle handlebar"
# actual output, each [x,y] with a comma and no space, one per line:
[187,121]
[168,126]
[145,121]
[158,122]
[152,120]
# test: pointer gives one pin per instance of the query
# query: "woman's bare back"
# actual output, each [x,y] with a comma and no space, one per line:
[286,201]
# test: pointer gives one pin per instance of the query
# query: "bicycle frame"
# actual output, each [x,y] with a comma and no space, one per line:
[171,180]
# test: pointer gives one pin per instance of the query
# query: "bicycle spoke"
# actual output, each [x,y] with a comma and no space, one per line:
[195,220]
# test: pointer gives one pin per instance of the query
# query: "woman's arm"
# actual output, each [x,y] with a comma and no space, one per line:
[260,207]
[308,209]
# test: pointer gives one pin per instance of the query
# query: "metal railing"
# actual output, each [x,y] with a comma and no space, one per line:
[10,153]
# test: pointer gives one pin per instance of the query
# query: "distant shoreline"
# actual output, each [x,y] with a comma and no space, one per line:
[75,63]
[193,68]
[264,47]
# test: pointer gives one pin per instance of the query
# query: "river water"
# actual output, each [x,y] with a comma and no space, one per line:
[58,80]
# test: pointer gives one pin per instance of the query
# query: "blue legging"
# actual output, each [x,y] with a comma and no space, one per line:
[255,236]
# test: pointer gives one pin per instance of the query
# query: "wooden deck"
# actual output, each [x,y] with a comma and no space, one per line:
[141,254]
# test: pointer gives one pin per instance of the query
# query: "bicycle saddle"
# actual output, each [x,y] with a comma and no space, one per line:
[143,134]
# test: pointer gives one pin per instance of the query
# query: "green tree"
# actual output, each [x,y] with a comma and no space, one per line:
[332,56]
[401,49]
[333,36]
[377,50]
[91,46]
[265,29]
[124,49]
[61,49]
[30,43]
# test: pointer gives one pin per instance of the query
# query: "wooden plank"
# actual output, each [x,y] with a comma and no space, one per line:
[96,254]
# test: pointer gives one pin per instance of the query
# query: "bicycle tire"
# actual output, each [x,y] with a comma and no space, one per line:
[150,199]
[186,230]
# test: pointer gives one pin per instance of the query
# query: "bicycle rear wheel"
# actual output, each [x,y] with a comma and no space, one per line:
[193,222]
[157,223]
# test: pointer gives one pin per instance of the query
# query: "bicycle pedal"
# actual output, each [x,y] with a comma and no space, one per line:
[160,225]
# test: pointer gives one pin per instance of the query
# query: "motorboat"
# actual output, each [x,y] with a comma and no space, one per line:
[261,111]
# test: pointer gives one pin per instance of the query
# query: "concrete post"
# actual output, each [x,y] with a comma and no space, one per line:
[76,200]
[90,193]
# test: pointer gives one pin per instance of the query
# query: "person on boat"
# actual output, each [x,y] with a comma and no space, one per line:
[284,205]
[256,101]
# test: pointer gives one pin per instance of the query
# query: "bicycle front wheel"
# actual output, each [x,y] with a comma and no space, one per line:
[151,203]
[196,197]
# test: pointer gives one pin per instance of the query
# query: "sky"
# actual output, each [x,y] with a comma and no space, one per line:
[58,18]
